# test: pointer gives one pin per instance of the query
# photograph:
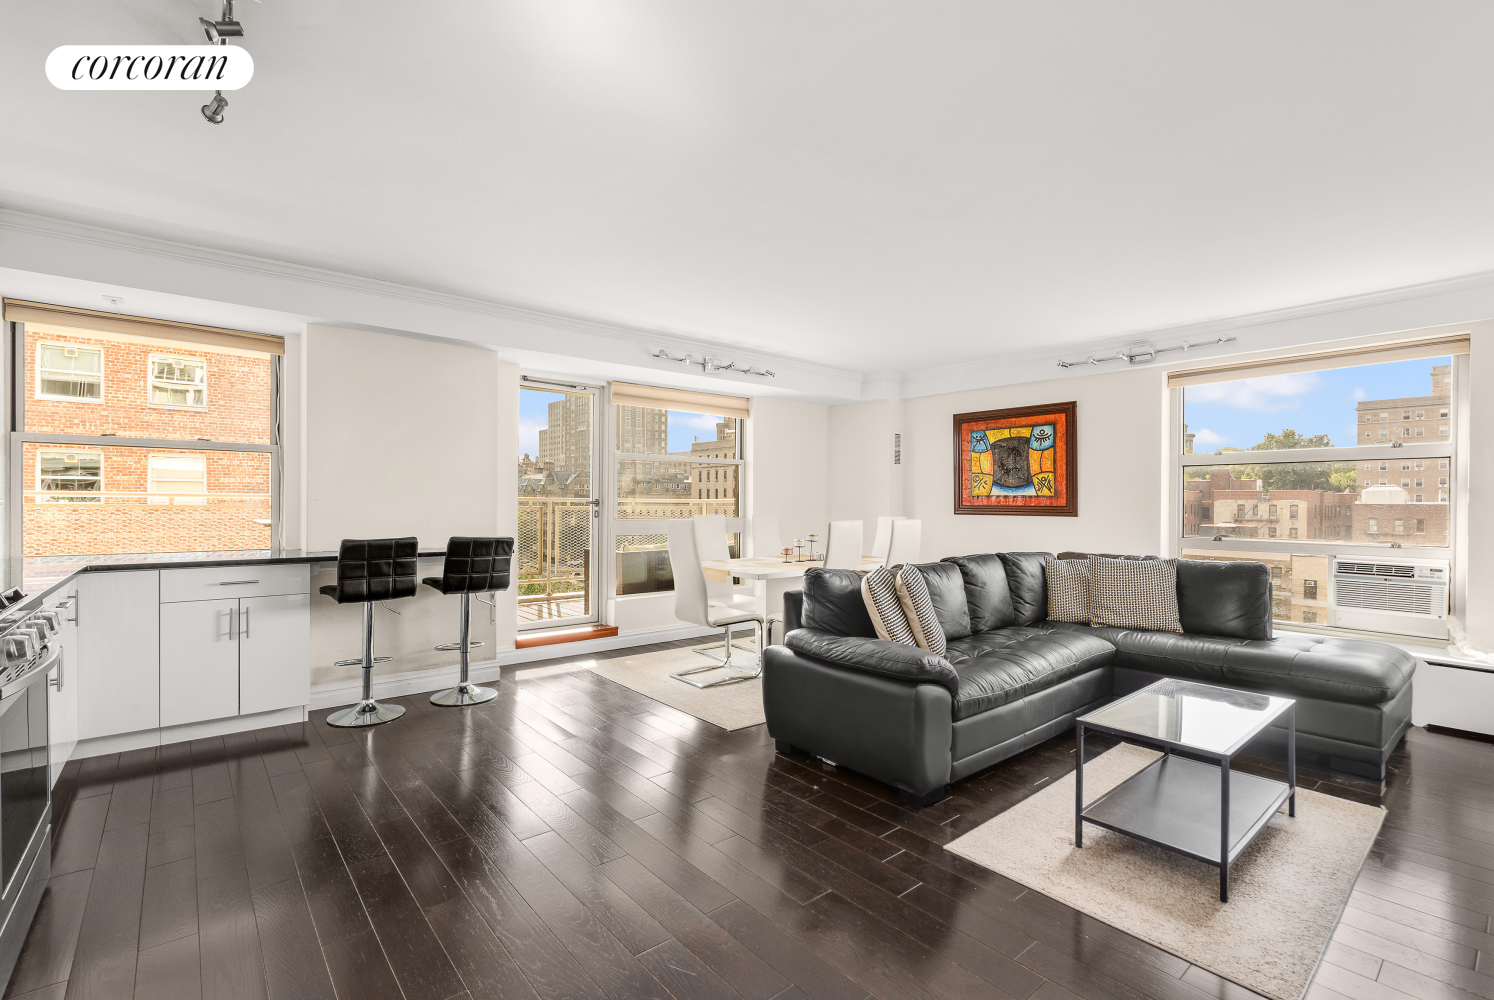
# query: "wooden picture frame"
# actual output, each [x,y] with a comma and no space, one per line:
[1020,460]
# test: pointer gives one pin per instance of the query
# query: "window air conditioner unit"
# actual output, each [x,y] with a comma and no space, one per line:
[1399,596]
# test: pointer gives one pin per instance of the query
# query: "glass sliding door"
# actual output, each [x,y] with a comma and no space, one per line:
[556,568]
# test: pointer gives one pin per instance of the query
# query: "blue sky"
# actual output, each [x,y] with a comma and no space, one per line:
[534,414]
[1238,414]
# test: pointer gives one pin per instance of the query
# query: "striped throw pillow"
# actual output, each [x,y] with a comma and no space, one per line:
[879,591]
[1134,593]
[1068,589]
[918,606]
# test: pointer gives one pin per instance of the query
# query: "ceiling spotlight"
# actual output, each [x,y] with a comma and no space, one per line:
[220,31]
[213,111]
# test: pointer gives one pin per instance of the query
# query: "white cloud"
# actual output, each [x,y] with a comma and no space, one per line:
[1206,441]
[1270,394]
[1358,392]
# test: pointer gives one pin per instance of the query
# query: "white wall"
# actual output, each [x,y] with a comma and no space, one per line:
[1479,613]
[1120,420]
[864,484]
[788,460]
[404,436]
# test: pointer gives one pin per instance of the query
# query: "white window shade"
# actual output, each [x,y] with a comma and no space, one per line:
[17,311]
[655,397]
[1457,343]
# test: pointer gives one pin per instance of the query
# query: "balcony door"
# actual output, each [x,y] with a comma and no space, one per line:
[556,551]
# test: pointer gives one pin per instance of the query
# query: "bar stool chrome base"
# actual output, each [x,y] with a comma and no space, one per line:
[358,661]
[465,693]
[365,713]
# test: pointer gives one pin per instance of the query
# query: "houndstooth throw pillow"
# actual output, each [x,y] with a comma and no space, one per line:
[879,591]
[1134,593]
[918,606]
[1068,589]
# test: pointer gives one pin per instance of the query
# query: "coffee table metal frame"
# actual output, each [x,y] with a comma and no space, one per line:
[1261,796]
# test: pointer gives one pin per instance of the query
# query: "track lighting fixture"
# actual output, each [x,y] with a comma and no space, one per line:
[711,364]
[218,32]
[213,110]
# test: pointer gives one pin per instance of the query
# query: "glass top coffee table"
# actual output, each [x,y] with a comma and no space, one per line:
[1188,800]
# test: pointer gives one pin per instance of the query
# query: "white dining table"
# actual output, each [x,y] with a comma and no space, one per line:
[772,577]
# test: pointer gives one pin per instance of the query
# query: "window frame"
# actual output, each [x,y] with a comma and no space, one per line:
[50,397]
[1451,453]
[613,526]
[151,380]
[18,382]
[81,498]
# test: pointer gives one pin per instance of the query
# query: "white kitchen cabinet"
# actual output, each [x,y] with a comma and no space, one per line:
[199,661]
[119,648]
[274,640]
[62,688]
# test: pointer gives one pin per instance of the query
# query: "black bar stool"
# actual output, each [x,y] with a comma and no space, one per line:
[369,570]
[473,566]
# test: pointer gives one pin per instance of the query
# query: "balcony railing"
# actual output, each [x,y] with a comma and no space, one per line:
[552,547]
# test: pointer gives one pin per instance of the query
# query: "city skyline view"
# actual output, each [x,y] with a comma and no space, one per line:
[684,427]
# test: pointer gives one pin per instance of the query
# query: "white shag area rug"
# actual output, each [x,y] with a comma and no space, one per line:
[1286,891]
[730,706]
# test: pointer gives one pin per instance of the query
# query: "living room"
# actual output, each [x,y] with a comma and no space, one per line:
[793,338]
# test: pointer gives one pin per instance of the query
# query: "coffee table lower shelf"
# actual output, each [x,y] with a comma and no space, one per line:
[1174,803]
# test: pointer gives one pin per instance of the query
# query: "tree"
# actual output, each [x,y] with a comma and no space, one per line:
[1329,476]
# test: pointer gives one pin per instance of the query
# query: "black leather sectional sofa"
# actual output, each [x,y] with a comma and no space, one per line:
[1011,678]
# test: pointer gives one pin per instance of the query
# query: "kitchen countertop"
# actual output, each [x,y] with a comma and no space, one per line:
[46,575]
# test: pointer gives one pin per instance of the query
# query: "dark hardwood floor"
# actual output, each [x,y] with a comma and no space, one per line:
[574,840]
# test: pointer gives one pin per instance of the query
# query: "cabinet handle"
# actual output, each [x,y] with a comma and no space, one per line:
[77,612]
[232,632]
[244,622]
[236,583]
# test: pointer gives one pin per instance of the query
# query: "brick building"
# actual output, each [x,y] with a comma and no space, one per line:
[1242,508]
[84,499]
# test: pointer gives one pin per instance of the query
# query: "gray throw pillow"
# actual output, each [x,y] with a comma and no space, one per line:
[879,590]
[1068,589]
[1134,593]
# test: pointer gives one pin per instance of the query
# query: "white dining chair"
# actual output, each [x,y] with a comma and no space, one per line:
[906,540]
[843,547]
[692,603]
[883,537]
[767,540]
[710,546]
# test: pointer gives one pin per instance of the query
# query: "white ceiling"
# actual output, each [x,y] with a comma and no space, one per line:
[869,185]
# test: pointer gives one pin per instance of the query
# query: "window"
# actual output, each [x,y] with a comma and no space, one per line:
[1203,511]
[1353,498]
[70,372]
[1442,431]
[1309,617]
[178,381]
[77,474]
[678,463]
[177,479]
[1443,414]
[134,495]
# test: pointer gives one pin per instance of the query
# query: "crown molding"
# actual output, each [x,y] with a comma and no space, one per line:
[1470,296]
[681,342]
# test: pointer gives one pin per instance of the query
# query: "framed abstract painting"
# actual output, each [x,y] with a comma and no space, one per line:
[1021,460]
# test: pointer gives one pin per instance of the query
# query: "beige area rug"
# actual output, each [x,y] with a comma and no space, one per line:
[730,706]
[1286,891]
